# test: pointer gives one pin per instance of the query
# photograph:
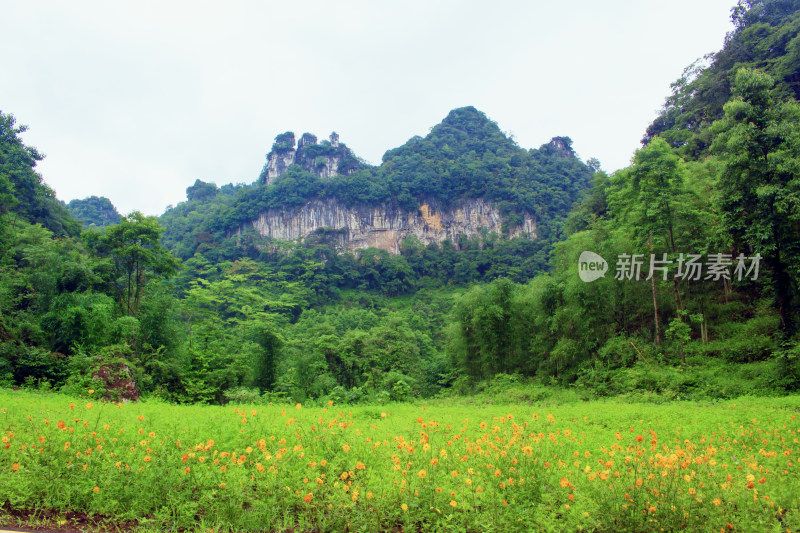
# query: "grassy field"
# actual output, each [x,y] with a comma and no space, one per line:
[440,466]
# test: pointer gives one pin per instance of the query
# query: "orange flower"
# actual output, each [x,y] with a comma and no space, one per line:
[565,483]
[146,458]
[717,502]
[307,498]
[422,474]
[15,467]
[346,447]
[96,489]
[187,470]
[453,503]
[360,466]
[639,438]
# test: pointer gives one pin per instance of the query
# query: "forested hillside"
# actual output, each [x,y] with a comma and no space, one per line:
[244,315]
[94,211]
[717,178]
[700,234]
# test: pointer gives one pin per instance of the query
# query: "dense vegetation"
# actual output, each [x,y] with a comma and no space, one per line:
[195,306]
[449,466]
[523,365]
[466,156]
[95,211]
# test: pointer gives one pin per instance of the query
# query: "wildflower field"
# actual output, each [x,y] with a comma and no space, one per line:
[596,466]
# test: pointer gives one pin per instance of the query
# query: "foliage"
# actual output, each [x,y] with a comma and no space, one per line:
[21,188]
[444,466]
[94,211]
[759,189]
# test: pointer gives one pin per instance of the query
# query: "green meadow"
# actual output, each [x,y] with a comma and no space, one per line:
[454,465]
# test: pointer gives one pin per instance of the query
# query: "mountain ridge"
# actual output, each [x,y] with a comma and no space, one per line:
[465,158]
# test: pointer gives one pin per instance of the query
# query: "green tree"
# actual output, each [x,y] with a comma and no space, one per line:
[758,139]
[31,199]
[138,256]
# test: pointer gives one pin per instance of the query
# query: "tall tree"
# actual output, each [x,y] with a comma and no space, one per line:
[21,187]
[759,189]
[651,196]
[134,246]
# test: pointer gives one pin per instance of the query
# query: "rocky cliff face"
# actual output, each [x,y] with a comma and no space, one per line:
[325,159]
[385,227]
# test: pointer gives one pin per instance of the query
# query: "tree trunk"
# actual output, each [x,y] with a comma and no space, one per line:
[655,300]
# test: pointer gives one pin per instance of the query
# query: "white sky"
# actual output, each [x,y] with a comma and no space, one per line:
[135,100]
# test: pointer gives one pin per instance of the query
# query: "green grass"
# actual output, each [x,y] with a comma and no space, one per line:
[444,465]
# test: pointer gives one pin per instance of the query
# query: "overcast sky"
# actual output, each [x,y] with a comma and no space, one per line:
[136,100]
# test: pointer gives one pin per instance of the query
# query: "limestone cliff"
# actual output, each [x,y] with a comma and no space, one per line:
[325,159]
[386,227]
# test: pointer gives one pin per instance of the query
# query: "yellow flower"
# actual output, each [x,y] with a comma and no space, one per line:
[453,503]
[422,474]
[404,507]
[717,502]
